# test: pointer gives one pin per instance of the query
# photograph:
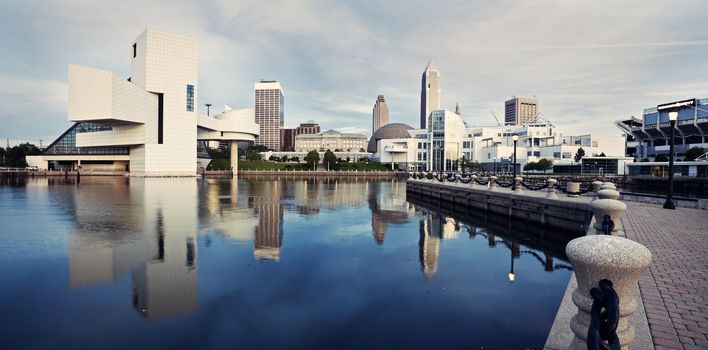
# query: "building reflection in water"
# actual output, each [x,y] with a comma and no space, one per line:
[150,229]
[435,226]
[150,232]
[265,201]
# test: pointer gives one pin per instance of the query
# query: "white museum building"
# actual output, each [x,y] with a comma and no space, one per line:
[147,124]
[448,139]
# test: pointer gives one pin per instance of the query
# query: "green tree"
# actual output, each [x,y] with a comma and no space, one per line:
[312,158]
[530,166]
[284,159]
[579,154]
[253,154]
[2,156]
[15,156]
[544,164]
[329,159]
[694,152]
[295,159]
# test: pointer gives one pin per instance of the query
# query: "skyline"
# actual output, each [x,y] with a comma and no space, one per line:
[588,64]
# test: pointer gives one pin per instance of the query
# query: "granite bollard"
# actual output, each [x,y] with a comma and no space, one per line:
[492,183]
[573,188]
[517,184]
[616,259]
[595,188]
[552,188]
[612,207]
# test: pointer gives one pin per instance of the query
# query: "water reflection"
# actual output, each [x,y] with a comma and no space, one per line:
[438,223]
[353,256]
[148,231]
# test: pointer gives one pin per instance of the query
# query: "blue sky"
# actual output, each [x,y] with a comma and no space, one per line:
[588,62]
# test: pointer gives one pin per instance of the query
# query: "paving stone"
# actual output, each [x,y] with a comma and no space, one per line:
[674,289]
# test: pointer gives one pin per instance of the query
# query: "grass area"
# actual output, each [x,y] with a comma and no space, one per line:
[225,164]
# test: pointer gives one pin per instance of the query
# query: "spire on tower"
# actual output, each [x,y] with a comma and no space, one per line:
[457,108]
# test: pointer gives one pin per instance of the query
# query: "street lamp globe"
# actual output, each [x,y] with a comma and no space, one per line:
[673,116]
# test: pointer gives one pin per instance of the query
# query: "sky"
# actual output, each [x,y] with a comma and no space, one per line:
[588,62]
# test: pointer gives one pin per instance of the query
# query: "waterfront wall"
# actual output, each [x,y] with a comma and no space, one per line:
[566,213]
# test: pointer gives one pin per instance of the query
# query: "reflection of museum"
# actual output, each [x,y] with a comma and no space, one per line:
[153,238]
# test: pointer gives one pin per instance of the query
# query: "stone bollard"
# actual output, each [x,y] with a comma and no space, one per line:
[573,188]
[617,259]
[492,183]
[608,194]
[517,184]
[552,188]
[596,187]
[612,207]
[608,186]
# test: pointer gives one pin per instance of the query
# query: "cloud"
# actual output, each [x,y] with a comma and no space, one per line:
[589,63]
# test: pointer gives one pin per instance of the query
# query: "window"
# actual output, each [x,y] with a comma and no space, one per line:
[135,50]
[190,98]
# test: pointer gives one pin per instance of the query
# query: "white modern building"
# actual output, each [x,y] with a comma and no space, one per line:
[147,124]
[331,140]
[447,140]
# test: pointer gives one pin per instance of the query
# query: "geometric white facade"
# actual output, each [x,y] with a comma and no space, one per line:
[447,140]
[154,112]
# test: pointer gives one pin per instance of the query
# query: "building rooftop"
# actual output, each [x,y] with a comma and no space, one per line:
[389,131]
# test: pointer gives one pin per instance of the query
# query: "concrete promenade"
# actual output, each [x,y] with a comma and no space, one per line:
[675,289]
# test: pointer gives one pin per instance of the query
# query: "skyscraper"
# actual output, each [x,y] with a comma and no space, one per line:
[379,114]
[429,93]
[270,115]
[520,110]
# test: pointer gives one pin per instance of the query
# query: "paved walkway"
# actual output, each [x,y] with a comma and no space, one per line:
[675,290]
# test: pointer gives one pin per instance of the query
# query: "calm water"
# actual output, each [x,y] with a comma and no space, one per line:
[270,264]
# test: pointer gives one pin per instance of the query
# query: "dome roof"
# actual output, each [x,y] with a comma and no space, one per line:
[389,131]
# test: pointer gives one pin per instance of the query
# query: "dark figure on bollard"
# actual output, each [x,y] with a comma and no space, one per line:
[607,225]
[604,313]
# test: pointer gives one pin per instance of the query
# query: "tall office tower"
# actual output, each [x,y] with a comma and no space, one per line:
[429,93]
[379,114]
[520,110]
[269,112]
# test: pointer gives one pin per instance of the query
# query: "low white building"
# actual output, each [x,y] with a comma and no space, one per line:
[331,140]
[448,140]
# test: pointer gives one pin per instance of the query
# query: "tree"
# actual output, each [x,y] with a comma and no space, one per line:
[579,155]
[312,158]
[15,156]
[530,166]
[284,159]
[694,152]
[544,164]
[273,159]
[362,150]
[329,159]
[602,154]
[253,155]
[2,156]
[661,158]
[295,159]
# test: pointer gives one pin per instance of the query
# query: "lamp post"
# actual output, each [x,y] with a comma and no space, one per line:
[513,182]
[207,106]
[495,165]
[669,204]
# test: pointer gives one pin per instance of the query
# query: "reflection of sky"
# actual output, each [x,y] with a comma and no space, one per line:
[322,284]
